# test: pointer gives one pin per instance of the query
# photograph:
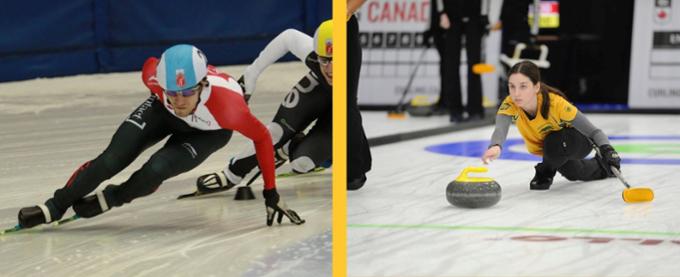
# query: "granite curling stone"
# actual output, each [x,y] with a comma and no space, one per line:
[420,106]
[473,192]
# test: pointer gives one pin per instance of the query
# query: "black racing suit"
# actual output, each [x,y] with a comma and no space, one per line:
[186,148]
[309,100]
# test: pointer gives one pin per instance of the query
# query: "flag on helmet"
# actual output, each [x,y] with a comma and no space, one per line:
[181,67]
[323,39]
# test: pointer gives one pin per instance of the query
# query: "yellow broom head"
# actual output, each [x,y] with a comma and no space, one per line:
[396,115]
[482,68]
[638,194]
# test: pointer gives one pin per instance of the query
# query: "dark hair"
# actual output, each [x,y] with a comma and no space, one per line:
[532,72]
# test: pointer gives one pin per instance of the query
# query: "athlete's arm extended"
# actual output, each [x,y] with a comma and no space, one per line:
[500,133]
[289,40]
[236,116]
[583,125]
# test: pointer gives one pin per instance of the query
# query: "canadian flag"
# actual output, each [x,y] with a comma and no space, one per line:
[662,15]
[179,78]
[329,48]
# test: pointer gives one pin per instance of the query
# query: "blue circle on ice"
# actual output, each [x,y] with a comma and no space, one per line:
[476,148]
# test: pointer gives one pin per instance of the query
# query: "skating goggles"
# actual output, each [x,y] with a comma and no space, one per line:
[185,92]
[324,60]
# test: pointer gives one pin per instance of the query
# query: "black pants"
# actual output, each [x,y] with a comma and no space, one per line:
[358,153]
[565,151]
[147,125]
[306,102]
[439,38]
[473,43]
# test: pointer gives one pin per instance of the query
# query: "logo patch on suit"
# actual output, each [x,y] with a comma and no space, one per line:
[504,107]
[191,149]
[545,129]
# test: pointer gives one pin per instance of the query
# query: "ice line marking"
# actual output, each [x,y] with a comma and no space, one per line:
[513,229]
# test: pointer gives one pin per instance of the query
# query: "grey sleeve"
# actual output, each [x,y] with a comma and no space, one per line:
[583,125]
[500,133]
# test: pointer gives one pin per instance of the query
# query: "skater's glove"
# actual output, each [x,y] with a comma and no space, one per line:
[610,156]
[246,93]
[212,182]
[274,205]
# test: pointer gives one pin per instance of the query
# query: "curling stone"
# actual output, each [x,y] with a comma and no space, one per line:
[420,105]
[473,192]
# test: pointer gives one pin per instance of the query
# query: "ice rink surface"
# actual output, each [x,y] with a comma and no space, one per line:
[400,223]
[49,127]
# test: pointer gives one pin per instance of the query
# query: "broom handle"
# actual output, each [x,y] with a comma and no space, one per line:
[618,175]
[616,171]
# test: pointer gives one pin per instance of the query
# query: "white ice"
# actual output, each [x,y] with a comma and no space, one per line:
[48,127]
[400,223]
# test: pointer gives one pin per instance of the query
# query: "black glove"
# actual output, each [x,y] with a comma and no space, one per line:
[609,156]
[275,205]
[486,26]
[213,182]
[242,83]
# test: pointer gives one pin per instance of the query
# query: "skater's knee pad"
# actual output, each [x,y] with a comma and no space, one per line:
[276,132]
[160,167]
[113,163]
[145,181]
[302,164]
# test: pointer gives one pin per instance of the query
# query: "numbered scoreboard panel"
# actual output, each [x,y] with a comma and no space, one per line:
[665,55]
[395,54]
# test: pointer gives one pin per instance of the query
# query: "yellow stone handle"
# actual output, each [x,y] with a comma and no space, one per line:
[463,177]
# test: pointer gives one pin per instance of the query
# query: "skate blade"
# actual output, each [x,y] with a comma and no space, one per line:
[18,227]
[189,195]
[293,173]
[11,230]
[66,220]
[198,193]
